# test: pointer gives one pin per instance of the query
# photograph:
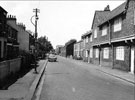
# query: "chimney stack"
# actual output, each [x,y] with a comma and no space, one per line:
[22,26]
[11,19]
[107,8]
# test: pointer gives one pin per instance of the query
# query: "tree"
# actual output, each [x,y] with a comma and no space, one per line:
[44,45]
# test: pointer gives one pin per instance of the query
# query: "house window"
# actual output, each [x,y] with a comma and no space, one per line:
[83,42]
[95,33]
[91,38]
[87,40]
[91,53]
[106,53]
[117,24]
[97,53]
[86,53]
[120,53]
[104,31]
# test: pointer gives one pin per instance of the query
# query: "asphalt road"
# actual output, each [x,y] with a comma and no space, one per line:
[68,80]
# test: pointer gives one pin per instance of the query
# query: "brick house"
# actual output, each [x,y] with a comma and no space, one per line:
[69,46]
[23,35]
[3,34]
[78,50]
[114,37]
[12,43]
[86,42]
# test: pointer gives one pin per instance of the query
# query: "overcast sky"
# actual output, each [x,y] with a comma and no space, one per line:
[60,21]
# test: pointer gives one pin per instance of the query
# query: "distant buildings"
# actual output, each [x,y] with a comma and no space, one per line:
[68,49]
[58,49]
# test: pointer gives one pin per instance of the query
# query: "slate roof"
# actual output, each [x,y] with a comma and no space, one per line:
[114,13]
[86,34]
[2,9]
[70,42]
[101,16]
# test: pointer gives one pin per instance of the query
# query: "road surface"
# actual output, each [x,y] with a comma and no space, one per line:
[70,80]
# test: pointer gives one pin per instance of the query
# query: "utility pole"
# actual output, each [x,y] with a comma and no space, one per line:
[36,18]
[36,34]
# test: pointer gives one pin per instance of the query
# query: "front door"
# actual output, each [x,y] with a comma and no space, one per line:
[132,68]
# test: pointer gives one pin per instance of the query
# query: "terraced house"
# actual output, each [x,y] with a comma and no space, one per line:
[86,42]
[3,35]
[78,50]
[113,35]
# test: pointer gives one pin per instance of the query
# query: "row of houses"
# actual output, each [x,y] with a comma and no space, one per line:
[13,37]
[111,39]
[16,46]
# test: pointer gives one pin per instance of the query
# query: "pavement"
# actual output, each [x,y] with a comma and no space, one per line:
[24,87]
[126,76]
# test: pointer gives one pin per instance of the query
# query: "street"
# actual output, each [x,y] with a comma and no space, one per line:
[70,80]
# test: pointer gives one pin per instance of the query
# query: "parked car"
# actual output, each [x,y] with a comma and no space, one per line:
[52,58]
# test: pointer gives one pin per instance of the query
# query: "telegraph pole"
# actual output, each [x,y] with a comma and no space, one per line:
[36,18]
[36,34]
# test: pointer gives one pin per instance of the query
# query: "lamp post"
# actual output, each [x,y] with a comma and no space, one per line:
[36,34]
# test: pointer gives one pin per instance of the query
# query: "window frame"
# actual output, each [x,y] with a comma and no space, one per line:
[95,33]
[96,53]
[106,53]
[90,38]
[120,53]
[87,39]
[117,25]
[91,52]
[104,30]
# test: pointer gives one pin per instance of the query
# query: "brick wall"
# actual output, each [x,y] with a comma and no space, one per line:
[106,62]
[125,64]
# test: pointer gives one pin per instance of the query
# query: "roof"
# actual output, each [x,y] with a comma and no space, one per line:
[100,15]
[70,42]
[117,11]
[86,34]
[3,9]
[79,41]
[12,26]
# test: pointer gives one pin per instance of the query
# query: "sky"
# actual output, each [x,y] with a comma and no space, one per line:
[59,20]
